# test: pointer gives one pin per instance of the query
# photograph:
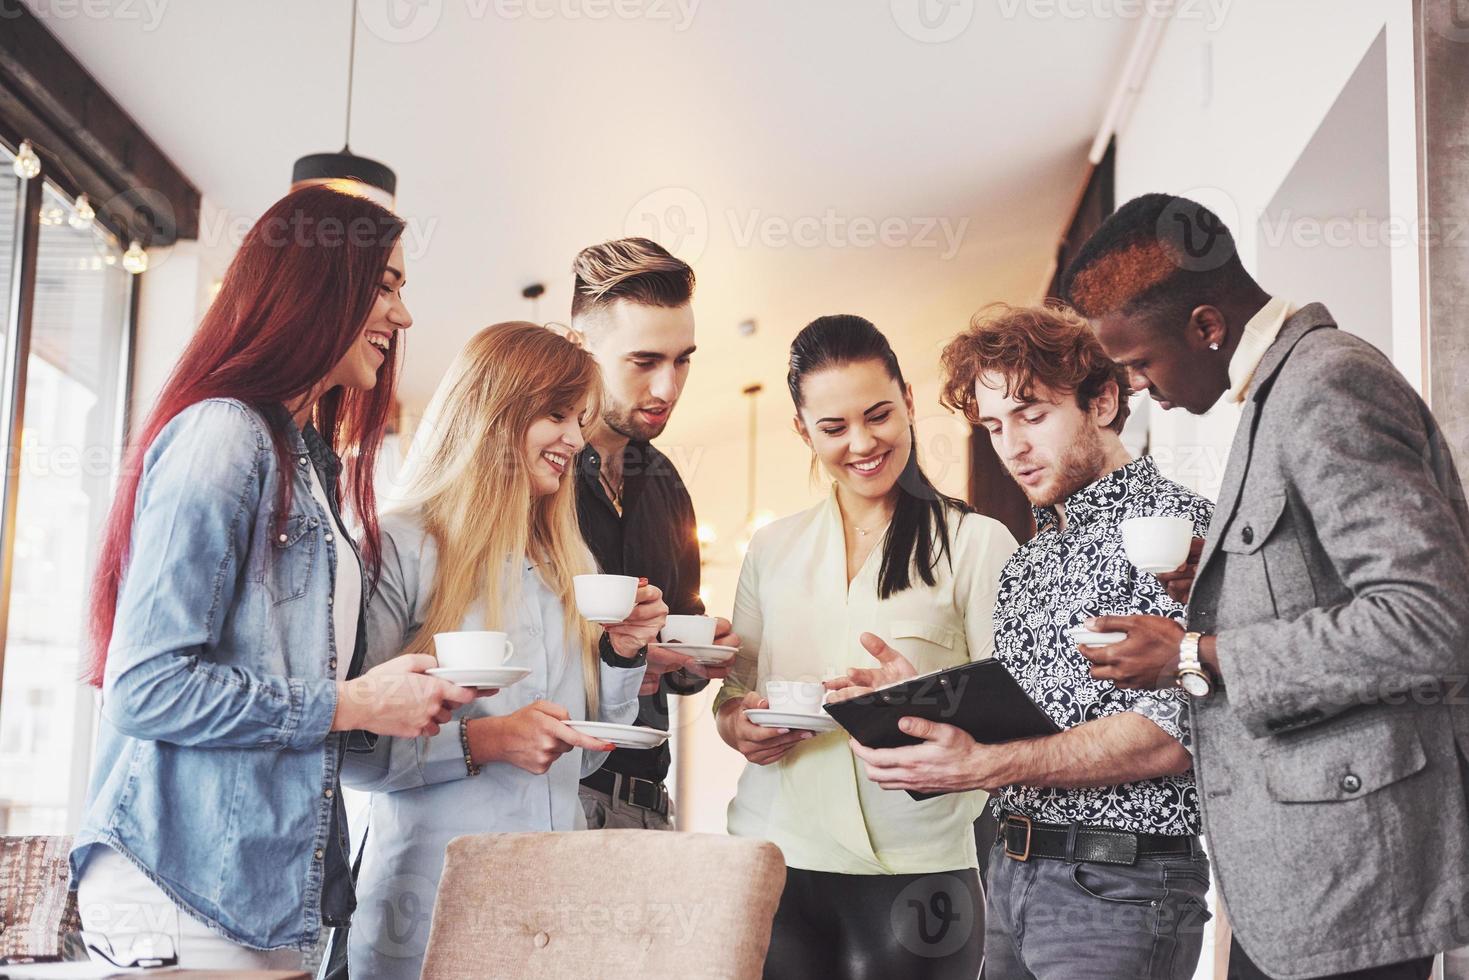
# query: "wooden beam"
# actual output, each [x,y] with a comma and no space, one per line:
[87,142]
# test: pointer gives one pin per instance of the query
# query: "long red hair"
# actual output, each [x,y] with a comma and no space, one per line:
[293,301]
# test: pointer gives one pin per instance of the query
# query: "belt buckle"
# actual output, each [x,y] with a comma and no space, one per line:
[1017,820]
[632,791]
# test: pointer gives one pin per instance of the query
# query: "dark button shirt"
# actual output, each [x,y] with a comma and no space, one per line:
[338,896]
[656,538]
[1056,582]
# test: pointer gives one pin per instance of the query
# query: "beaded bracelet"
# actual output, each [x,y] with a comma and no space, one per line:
[464,744]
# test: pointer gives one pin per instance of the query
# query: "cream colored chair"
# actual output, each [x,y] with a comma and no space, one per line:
[604,904]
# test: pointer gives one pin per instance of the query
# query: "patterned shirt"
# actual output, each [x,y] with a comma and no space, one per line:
[1056,582]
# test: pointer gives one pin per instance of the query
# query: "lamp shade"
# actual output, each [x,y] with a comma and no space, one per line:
[349,173]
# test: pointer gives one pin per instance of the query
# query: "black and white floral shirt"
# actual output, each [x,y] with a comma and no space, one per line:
[1057,581]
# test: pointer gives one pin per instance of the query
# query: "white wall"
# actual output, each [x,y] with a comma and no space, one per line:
[1229,107]
[173,295]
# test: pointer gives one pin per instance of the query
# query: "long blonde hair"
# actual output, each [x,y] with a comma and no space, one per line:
[468,475]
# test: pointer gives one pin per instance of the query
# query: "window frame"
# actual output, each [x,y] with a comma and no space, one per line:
[20,300]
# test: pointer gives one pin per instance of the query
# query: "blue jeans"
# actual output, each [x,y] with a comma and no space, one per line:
[1058,920]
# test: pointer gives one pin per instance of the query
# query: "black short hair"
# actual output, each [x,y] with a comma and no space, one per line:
[1158,257]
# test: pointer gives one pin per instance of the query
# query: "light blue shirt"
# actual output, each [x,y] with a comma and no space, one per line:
[423,795]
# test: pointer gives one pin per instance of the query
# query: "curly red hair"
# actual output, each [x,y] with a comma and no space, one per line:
[1030,345]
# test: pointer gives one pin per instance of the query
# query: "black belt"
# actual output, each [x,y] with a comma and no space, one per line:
[1025,838]
[639,792]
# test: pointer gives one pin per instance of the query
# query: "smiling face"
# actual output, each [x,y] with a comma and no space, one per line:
[644,353]
[1050,445]
[551,443]
[859,422]
[359,367]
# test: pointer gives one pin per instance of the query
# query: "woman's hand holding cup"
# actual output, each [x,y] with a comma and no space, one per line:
[757,743]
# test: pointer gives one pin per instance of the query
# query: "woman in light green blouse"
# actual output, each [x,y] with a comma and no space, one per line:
[878,884]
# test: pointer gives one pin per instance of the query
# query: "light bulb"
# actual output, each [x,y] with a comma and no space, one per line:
[27,164]
[82,214]
[135,260]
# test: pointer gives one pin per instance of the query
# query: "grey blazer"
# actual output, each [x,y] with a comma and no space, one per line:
[1336,578]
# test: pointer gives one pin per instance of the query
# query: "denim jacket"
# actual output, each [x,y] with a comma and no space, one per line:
[216,772]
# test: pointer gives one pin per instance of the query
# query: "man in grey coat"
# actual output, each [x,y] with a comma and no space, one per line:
[1327,643]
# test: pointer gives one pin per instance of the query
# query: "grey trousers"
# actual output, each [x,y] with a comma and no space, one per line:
[1054,920]
[605,813]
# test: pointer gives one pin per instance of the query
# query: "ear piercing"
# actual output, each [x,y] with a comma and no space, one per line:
[1214,345]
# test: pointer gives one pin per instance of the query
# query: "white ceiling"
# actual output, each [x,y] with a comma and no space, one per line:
[519,137]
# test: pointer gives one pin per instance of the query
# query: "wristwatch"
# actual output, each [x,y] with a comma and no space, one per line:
[612,658]
[1192,676]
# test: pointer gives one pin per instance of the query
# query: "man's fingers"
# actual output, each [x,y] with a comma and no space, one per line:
[1114,624]
[882,758]
[416,663]
[454,694]
[923,728]
[664,659]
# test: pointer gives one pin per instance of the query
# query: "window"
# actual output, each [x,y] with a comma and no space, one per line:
[75,382]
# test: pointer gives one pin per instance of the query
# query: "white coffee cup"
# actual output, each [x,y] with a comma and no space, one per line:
[698,630]
[798,697]
[1157,544]
[606,598]
[473,649]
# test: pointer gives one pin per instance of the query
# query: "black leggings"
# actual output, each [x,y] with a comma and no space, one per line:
[875,927]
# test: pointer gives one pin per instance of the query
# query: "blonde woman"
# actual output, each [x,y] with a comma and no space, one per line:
[486,538]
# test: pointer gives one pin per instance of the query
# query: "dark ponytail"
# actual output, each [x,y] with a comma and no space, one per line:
[918,536]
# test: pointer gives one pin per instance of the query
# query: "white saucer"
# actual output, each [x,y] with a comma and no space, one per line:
[1156,569]
[1091,639]
[622,736]
[708,654]
[481,676]
[767,718]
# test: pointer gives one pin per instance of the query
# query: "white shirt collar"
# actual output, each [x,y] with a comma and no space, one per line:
[1258,335]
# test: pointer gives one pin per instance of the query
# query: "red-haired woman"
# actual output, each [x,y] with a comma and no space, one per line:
[227,607]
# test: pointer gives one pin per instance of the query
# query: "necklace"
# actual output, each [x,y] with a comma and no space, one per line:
[613,493]
[864,531]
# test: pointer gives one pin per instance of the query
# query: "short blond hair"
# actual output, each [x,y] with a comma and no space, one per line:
[638,270]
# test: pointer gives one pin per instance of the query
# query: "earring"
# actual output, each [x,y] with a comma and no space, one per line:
[1214,346]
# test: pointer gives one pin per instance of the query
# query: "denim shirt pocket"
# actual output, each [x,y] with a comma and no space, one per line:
[294,545]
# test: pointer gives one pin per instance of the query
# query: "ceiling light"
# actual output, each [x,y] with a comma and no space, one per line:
[27,164]
[344,170]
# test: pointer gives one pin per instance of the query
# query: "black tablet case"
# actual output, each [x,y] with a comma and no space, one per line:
[982,698]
